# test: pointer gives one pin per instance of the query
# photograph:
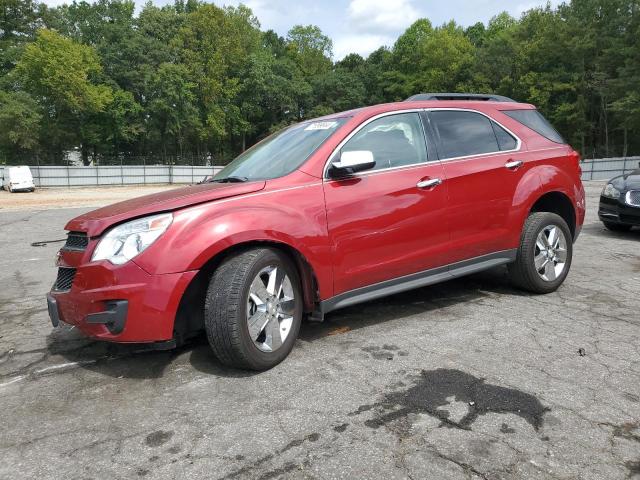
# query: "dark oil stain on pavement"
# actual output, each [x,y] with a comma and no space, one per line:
[432,389]
[158,438]
[386,352]
[341,428]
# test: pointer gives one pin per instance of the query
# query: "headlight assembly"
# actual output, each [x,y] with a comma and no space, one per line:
[124,242]
[610,191]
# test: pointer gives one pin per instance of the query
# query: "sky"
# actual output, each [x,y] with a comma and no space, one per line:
[362,26]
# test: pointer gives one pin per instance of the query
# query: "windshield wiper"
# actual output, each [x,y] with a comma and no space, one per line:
[230,179]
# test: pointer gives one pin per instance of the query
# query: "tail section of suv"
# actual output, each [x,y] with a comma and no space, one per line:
[327,213]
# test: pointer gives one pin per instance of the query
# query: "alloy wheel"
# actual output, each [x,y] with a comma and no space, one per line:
[550,256]
[270,308]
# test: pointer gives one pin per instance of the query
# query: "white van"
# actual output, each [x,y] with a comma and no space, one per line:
[18,178]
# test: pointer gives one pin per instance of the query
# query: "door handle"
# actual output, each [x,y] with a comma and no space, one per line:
[432,182]
[513,164]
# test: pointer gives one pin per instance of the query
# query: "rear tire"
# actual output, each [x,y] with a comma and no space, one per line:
[617,227]
[252,320]
[540,267]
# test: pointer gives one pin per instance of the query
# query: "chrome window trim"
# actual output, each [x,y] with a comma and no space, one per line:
[325,171]
[518,148]
[464,157]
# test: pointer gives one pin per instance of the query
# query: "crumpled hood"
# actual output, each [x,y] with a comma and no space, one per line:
[97,221]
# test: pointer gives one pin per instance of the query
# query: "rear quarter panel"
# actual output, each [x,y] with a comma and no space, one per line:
[556,171]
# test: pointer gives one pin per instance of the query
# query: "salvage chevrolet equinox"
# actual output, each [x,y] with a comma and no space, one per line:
[324,214]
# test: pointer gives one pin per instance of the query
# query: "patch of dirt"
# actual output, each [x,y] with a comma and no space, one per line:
[48,198]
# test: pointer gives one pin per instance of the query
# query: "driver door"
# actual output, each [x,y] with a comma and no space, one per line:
[388,221]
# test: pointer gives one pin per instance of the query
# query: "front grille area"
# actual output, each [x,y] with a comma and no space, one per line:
[65,279]
[633,198]
[76,241]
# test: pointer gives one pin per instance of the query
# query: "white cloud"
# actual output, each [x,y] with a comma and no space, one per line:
[381,15]
[362,44]
[371,24]
[56,3]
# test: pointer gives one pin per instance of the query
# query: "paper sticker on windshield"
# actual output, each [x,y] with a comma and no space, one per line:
[321,125]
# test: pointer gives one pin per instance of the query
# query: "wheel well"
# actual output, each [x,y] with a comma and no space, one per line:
[190,315]
[560,204]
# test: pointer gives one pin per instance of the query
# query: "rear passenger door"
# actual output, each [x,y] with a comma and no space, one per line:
[482,168]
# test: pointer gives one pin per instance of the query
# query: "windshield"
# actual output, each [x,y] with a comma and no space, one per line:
[281,153]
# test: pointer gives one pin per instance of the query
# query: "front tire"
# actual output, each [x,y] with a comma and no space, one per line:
[545,254]
[253,309]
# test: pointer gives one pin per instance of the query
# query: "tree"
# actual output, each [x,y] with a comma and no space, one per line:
[310,49]
[336,91]
[407,49]
[19,124]
[172,107]
[215,45]
[61,75]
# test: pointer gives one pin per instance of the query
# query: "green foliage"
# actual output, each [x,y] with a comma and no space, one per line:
[19,123]
[195,79]
[59,73]
[310,49]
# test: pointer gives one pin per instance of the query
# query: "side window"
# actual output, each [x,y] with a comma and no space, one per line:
[463,133]
[505,139]
[394,140]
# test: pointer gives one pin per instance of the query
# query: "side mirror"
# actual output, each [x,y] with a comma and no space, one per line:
[352,162]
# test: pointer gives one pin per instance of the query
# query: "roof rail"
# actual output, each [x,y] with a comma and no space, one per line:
[486,97]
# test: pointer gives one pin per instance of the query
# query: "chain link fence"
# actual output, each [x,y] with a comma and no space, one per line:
[66,176]
[125,173]
[606,168]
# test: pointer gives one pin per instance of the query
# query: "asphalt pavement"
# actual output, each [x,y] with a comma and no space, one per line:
[466,379]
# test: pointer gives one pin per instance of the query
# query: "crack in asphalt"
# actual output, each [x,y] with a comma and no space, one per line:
[312,437]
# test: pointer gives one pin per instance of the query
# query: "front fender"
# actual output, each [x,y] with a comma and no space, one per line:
[201,232]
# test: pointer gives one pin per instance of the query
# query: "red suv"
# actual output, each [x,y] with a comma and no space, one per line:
[324,214]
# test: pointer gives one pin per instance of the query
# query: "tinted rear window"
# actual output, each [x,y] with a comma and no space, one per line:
[463,134]
[536,122]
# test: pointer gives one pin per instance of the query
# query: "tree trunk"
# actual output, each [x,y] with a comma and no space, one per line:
[85,156]
[606,126]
